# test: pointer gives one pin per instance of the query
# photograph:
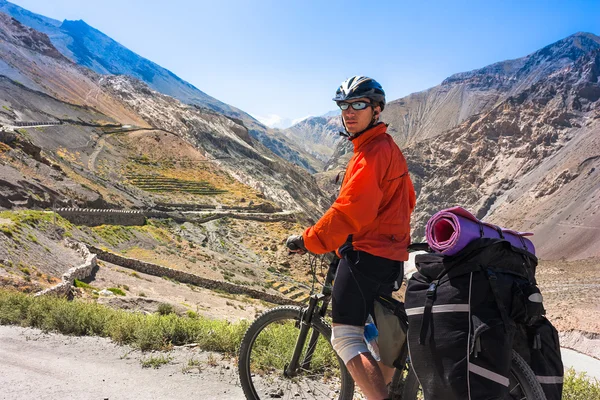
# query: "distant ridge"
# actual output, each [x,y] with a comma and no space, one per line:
[93,49]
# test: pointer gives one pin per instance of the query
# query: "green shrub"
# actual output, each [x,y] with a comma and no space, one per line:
[32,238]
[580,387]
[83,285]
[116,291]
[146,332]
[165,309]
[155,361]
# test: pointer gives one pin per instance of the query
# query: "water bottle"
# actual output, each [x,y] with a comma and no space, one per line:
[371,335]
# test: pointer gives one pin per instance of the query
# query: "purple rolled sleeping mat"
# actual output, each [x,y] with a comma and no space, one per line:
[450,230]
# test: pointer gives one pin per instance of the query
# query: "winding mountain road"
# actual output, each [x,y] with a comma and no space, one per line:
[94,155]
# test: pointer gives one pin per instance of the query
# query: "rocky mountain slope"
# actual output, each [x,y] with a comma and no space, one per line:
[28,57]
[530,163]
[218,203]
[90,109]
[423,115]
[317,136]
[426,114]
[88,47]
[225,141]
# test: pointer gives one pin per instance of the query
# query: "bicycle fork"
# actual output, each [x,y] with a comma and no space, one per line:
[305,322]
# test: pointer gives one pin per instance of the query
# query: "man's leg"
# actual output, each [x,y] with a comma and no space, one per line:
[367,375]
[387,372]
[348,342]
[351,303]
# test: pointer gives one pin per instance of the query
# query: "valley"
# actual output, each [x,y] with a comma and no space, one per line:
[183,202]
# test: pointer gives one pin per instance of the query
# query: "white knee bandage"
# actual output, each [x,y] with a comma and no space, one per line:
[348,341]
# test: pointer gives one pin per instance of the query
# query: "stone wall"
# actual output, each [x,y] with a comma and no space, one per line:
[27,123]
[95,217]
[80,272]
[249,217]
[89,217]
[186,277]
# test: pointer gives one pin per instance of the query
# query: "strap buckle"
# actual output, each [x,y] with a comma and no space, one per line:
[431,290]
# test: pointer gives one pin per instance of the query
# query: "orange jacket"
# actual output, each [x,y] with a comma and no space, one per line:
[375,202]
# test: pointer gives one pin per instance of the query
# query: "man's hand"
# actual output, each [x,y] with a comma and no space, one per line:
[295,244]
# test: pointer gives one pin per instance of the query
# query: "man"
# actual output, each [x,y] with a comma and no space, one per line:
[369,227]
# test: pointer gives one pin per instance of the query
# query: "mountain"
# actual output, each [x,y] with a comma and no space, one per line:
[531,163]
[275,121]
[423,115]
[88,47]
[94,121]
[91,48]
[317,136]
[28,57]
[333,113]
[426,114]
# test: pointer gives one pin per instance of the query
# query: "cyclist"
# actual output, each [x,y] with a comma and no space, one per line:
[368,226]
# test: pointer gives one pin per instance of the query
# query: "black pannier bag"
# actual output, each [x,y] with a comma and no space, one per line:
[464,312]
[539,346]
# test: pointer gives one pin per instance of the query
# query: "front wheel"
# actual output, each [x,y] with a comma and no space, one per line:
[267,348]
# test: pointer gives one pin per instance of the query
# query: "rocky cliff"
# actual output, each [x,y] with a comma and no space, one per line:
[530,163]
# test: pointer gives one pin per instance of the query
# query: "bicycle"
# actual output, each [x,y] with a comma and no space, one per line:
[308,368]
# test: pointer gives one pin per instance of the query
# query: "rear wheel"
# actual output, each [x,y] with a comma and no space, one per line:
[523,383]
[267,348]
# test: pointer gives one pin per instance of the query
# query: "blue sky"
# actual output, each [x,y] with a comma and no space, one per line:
[286,58]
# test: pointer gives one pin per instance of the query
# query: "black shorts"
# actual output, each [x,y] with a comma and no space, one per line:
[360,278]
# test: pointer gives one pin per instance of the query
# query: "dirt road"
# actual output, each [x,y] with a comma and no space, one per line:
[34,365]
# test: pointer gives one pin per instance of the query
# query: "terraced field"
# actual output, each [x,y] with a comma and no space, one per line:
[158,183]
[290,291]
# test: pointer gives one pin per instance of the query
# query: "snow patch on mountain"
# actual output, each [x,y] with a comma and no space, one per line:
[279,122]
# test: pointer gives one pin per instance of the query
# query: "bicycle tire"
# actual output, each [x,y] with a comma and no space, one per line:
[278,317]
[525,376]
[523,383]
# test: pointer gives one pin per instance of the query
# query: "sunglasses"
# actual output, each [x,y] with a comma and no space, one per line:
[357,105]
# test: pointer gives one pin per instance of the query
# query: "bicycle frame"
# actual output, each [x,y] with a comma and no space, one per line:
[306,316]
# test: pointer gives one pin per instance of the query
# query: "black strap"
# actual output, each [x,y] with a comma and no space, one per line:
[493,279]
[523,242]
[346,247]
[427,311]
[481,232]
[500,233]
